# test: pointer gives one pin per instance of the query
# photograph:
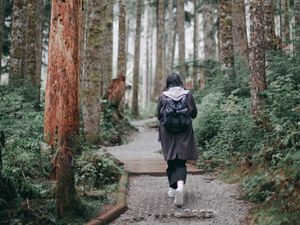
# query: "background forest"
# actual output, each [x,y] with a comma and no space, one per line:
[73,86]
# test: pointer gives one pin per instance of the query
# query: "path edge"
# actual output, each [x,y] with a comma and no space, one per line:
[119,208]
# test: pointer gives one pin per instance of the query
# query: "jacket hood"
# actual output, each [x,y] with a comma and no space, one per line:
[175,93]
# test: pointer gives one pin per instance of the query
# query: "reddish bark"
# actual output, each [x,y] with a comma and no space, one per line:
[61,99]
[116,91]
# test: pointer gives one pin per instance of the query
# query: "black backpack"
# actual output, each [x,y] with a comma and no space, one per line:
[176,116]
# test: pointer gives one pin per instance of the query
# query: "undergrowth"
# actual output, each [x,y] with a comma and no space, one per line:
[27,196]
[266,161]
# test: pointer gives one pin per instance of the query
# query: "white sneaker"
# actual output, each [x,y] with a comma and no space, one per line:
[179,194]
[171,192]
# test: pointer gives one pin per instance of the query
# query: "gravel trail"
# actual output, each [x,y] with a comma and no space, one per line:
[208,201]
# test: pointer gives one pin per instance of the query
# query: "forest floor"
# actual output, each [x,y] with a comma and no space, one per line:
[208,200]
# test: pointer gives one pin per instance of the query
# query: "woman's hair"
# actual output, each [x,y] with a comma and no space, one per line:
[173,80]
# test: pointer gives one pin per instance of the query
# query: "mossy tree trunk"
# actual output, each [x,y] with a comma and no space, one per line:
[285,24]
[18,44]
[90,79]
[257,57]
[208,32]
[61,126]
[33,39]
[181,38]
[136,64]
[270,36]
[240,39]
[122,39]
[297,25]
[226,44]
[106,47]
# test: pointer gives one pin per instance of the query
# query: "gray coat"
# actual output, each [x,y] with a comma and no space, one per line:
[181,144]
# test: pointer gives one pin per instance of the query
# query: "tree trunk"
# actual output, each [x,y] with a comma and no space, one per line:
[148,52]
[106,47]
[270,36]
[181,35]
[196,43]
[136,65]
[18,46]
[158,86]
[240,40]
[297,25]
[208,32]
[31,43]
[2,5]
[285,24]
[257,57]
[61,101]
[90,81]
[39,39]
[226,44]
[171,33]
[122,39]
[61,97]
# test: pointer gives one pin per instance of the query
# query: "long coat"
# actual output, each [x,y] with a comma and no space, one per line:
[182,145]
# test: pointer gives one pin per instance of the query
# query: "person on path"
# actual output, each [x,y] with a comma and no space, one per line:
[180,146]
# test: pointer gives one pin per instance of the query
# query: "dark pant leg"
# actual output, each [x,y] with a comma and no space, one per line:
[176,171]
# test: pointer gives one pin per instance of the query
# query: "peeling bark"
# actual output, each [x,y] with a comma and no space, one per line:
[136,65]
[61,126]
[257,57]
[61,97]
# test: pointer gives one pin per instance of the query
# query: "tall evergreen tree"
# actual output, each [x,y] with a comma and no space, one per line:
[171,32]
[136,64]
[122,39]
[181,37]
[285,23]
[2,5]
[196,42]
[257,56]
[240,39]
[106,47]
[18,44]
[90,80]
[297,25]
[158,86]
[208,31]
[226,44]
[61,127]
[270,36]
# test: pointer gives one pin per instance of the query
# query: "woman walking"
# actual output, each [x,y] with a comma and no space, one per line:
[176,107]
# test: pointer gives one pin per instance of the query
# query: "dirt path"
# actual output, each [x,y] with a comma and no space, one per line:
[208,201]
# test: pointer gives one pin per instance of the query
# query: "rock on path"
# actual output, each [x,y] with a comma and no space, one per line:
[208,201]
